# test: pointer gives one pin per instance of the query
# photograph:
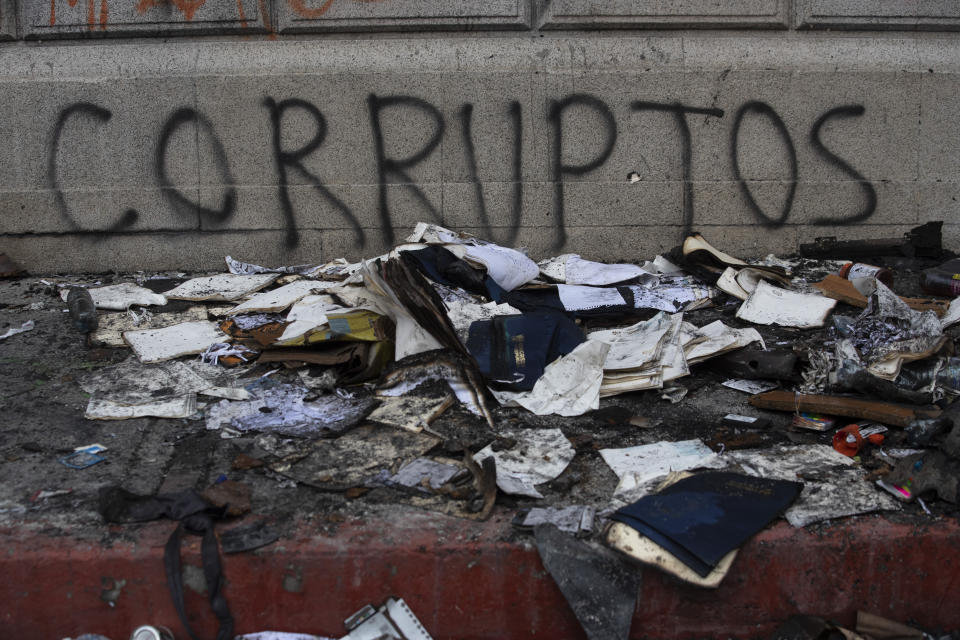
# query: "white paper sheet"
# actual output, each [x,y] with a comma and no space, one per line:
[952,316]
[581,298]
[380,298]
[179,407]
[508,267]
[188,338]
[572,269]
[637,346]
[539,456]
[717,339]
[671,294]
[839,488]
[771,305]
[120,297]
[23,328]
[752,387]
[462,314]
[309,313]
[639,467]
[282,297]
[727,282]
[225,287]
[569,386]
[247,268]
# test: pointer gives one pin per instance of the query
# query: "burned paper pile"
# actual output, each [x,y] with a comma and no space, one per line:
[451,368]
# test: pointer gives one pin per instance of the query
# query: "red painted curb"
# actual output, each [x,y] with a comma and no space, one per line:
[465,581]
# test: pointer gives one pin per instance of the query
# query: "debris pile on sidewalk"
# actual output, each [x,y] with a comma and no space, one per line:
[427,371]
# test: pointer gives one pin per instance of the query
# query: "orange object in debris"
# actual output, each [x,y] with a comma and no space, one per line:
[848,440]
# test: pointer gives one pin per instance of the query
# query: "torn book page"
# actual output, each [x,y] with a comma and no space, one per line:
[507,267]
[572,269]
[276,300]
[463,313]
[582,298]
[357,458]
[283,409]
[569,386]
[120,297]
[443,366]
[717,339]
[23,328]
[539,456]
[727,282]
[109,332]
[412,413]
[225,287]
[889,333]
[180,407]
[637,346]
[424,474]
[247,269]
[164,390]
[187,338]
[670,364]
[834,485]
[672,294]
[639,468]
[752,387]
[952,316]
[772,305]
[307,314]
[577,520]
[377,295]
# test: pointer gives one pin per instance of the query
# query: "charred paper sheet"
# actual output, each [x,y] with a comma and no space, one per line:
[539,456]
[834,486]
[357,458]
[283,409]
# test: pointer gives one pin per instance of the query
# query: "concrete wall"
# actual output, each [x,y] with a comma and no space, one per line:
[167,133]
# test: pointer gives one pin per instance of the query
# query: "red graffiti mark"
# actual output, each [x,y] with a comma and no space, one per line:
[243,16]
[91,13]
[186,7]
[265,12]
[299,6]
[302,10]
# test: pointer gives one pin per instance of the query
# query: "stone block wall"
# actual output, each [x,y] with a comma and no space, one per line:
[166,133]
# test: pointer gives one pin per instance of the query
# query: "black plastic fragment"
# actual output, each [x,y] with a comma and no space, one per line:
[599,587]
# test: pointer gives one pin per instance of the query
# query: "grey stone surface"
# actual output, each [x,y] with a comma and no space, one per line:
[625,14]
[158,251]
[103,18]
[874,14]
[221,194]
[8,20]
[298,16]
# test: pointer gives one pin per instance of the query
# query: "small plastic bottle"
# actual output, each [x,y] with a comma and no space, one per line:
[854,270]
[83,312]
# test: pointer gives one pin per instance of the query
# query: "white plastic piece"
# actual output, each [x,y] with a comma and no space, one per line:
[772,305]
[187,338]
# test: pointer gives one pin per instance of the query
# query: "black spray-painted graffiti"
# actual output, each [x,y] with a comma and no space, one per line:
[396,170]
[129,217]
[284,160]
